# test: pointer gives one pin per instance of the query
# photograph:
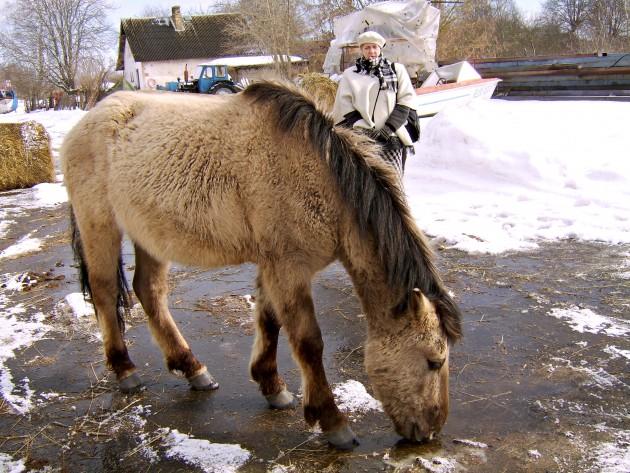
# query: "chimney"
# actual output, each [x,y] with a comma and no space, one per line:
[178,21]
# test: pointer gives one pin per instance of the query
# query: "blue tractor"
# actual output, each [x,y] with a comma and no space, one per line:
[207,79]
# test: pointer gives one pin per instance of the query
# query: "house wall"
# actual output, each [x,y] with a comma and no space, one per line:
[131,66]
[159,73]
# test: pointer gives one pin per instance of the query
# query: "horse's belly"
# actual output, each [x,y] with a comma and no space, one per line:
[188,238]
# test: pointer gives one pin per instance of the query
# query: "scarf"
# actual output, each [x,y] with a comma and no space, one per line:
[380,68]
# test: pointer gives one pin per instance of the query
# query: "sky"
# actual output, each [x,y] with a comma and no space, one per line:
[135,7]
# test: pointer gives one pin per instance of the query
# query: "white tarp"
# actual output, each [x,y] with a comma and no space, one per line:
[410,28]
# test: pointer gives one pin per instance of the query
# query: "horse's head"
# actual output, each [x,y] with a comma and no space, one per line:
[407,362]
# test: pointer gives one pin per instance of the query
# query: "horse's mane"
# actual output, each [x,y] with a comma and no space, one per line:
[372,190]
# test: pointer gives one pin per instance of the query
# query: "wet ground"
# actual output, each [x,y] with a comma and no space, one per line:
[529,392]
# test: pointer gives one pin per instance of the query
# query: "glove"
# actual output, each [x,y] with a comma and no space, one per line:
[383,135]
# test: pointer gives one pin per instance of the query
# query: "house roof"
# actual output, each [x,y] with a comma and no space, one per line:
[155,39]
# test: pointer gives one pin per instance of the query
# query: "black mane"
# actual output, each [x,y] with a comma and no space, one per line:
[374,192]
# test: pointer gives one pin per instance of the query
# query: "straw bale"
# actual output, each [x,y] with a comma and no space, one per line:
[321,88]
[25,158]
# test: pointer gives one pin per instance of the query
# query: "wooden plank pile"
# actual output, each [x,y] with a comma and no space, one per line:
[597,75]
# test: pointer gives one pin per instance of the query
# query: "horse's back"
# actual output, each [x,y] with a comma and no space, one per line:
[199,179]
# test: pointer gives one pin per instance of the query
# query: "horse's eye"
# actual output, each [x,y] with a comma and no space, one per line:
[435,365]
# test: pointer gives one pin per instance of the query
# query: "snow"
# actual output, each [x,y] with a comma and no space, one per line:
[17,331]
[471,443]
[585,320]
[7,465]
[352,397]
[493,175]
[210,457]
[79,306]
[614,457]
[617,352]
[24,245]
[438,464]
[245,61]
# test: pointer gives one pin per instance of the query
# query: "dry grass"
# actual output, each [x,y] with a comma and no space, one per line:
[25,158]
[321,88]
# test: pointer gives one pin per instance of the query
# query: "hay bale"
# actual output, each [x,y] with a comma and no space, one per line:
[321,88]
[25,158]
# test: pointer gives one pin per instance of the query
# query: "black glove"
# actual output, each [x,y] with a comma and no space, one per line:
[382,136]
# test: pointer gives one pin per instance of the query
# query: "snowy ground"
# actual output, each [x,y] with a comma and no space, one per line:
[489,178]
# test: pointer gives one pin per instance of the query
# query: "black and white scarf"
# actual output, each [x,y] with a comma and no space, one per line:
[380,68]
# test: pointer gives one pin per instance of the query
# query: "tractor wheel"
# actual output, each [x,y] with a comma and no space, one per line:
[222,89]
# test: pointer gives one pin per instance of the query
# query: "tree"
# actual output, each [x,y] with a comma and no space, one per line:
[608,22]
[55,37]
[270,26]
[571,15]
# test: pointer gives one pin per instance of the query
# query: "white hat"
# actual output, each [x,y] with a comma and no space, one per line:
[371,37]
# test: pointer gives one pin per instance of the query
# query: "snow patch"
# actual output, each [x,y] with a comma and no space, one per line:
[210,457]
[437,464]
[24,245]
[617,352]
[614,457]
[78,305]
[8,465]
[18,282]
[352,397]
[585,320]
[470,443]
[16,333]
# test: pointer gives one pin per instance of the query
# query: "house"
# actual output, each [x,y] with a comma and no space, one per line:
[153,51]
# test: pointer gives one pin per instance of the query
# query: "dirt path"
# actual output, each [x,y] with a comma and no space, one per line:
[529,392]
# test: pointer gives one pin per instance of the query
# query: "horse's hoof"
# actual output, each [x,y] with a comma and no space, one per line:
[283,400]
[343,439]
[203,382]
[131,384]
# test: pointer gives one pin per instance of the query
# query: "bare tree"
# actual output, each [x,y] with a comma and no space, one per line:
[571,15]
[608,22]
[270,26]
[55,37]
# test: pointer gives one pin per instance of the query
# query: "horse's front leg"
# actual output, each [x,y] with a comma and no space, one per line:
[263,366]
[294,307]
[151,286]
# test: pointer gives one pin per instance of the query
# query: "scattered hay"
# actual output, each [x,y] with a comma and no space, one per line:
[320,87]
[25,158]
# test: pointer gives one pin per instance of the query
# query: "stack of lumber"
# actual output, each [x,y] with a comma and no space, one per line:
[580,75]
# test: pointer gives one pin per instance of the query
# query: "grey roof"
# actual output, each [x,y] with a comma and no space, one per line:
[204,36]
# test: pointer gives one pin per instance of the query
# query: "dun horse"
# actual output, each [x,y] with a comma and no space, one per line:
[261,176]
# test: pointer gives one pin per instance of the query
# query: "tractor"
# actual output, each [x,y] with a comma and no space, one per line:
[207,79]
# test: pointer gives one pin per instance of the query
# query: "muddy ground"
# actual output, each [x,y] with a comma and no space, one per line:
[534,393]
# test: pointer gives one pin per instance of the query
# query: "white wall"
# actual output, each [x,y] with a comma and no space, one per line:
[159,73]
[130,67]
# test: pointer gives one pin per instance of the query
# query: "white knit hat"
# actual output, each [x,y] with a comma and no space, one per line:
[371,37]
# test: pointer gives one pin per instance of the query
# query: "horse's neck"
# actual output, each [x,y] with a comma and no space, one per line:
[363,264]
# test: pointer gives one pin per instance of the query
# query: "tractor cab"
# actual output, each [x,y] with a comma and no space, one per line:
[209,75]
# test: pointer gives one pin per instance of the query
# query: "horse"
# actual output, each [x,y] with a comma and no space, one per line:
[262,176]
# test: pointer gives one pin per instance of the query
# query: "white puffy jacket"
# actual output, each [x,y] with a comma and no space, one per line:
[360,92]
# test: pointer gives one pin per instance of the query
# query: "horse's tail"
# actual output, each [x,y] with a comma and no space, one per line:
[370,186]
[123,299]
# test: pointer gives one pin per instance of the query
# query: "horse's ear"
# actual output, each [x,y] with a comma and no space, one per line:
[416,300]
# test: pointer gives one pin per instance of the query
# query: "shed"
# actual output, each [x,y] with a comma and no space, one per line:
[153,51]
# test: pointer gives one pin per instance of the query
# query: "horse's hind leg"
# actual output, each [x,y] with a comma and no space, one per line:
[263,365]
[292,301]
[98,247]
[151,286]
